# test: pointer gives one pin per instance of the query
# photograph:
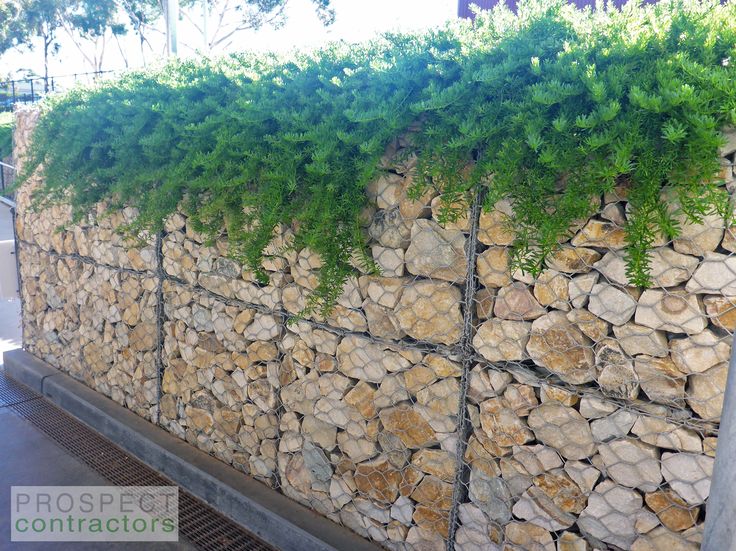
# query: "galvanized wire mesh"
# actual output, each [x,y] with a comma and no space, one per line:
[446,403]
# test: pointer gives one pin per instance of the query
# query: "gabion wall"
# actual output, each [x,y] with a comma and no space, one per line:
[446,403]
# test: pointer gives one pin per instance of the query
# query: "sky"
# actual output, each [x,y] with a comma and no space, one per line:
[356,20]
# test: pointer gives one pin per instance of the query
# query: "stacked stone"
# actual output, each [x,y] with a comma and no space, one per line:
[89,296]
[593,405]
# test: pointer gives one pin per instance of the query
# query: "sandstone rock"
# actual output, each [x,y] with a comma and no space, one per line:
[552,289]
[406,423]
[583,474]
[580,287]
[435,252]
[516,302]
[502,425]
[572,260]
[430,311]
[562,428]
[597,233]
[484,301]
[571,542]
[611,514]
[491,494]
[660,379]
[433,492]
[661,539]
[265,327]
[663,434]
[385,191]
[715,274]
[721,311]
[700,352]
[709,446]
[521,399]
[494,227]
[536,507]
[537,459]
[676,311]
[493,267]
[562,490]
[616,425]
[638,339]
[385,291]
[378,479]
[424,540]
[611,304]
[390,229]
[500,340]
[667,267]
[390,261]
[617,377]
[689,475]
[361,397]
[672,510]
[592,326]
[526,536]
[435,462]
[699,239]
[441,397]
[632,463]
[559,346]
[360,358]
[549,393]
[705,391]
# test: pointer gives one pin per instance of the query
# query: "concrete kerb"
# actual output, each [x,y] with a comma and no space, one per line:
[270,515]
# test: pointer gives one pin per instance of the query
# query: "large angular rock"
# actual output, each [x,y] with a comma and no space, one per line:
[611,304]
[721,311]
[660,433]
[435,252]
[562,428]
[591,325]
[516,302]
[580,287]
[429,311]
[660,379]
[616,370]
[676,311]
[611,514]
[662,539]
[667,267]
[638,339]
[378,479]
[409,425]
[559,346]
[632,463]
[562,490]
[672,510]
[699,239]
[536,507]
[493,267]
[502,425]
[573,260]
[597,233]
[491,494]
[528,536]
[494,227]
[502,340]
[552,289]
[705,391]
[700,352]
[360,358]
[716,274]
[689,475]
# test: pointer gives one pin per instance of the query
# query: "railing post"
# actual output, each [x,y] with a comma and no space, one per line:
[720,518]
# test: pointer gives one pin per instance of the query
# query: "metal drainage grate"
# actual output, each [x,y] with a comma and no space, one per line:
[14,393]
[199,523]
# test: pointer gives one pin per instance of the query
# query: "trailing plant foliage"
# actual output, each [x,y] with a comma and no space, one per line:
[549,108]
[6,134]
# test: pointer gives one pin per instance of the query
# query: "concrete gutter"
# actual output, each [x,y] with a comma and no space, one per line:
[268,514]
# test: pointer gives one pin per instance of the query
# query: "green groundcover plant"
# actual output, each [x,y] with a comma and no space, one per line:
[550,108]
[6,134]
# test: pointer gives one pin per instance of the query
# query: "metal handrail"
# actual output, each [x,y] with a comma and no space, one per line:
[720,518]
